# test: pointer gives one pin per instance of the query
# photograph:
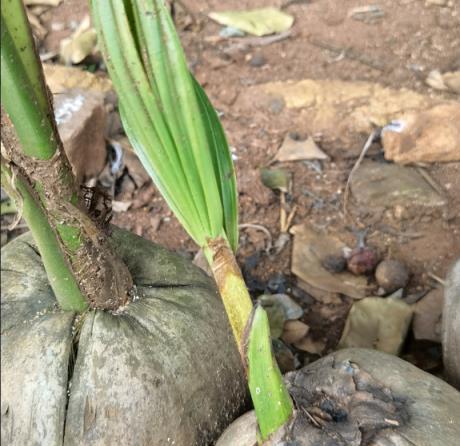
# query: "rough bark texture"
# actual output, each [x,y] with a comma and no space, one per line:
[103,279]
[163,371]
[451,326]
[358,397]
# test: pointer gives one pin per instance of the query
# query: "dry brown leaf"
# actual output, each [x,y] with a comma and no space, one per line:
[377,323]
[427,316]
[295,150]
[294,331]
[79,45]
[309,248]
[38,29]
[315,347]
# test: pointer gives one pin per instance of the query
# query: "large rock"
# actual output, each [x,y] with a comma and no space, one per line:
[429,136]
[81,118]
[451,326]
[358,397]
[165,371]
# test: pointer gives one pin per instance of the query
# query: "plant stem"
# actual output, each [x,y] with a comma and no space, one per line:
[232,288]
[60,276]
[33,155]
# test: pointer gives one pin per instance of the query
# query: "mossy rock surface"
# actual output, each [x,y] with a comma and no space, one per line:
[163,372]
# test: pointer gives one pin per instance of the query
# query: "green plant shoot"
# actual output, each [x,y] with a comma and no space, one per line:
[179,139]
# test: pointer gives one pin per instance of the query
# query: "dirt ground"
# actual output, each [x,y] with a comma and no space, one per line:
[397,50]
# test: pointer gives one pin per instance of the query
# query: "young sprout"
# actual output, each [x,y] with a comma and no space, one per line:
[178,137]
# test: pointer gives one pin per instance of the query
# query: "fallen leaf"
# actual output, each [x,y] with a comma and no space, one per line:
[294,331]
[295,150]
[276,179]
[427,316]
[435,80]
[79,45]
[378,323]
[38,29]
[309,248]
[315,347]
[259,22]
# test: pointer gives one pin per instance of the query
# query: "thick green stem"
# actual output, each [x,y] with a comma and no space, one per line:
[272,403]
[32,151]
[60,276]
[232,288]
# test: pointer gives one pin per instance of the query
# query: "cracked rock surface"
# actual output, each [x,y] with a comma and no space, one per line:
[360,397]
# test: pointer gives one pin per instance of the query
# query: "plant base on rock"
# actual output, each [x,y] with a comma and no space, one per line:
[164,370]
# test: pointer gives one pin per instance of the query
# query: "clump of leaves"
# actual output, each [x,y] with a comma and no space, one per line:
[178,137]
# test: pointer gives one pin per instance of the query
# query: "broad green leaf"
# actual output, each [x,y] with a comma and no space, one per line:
[272,403]
[167,116]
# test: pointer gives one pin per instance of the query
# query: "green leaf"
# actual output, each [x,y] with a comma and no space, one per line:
[24,96]
[272,403]
[168,118]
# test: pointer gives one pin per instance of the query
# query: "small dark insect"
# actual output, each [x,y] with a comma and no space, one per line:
[98,204]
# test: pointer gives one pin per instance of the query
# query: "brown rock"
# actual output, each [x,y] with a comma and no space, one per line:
[59,78]
[452,81]
[81,120]
[427,316]
[429,136]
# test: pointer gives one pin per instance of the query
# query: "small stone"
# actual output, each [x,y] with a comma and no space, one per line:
[277,106]
[286,360]
[291,309]
[362,260]
[257,60]
[399,212]
[391,275]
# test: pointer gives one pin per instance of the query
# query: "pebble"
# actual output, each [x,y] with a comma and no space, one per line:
[257,60]
[277,106]
[391,275]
